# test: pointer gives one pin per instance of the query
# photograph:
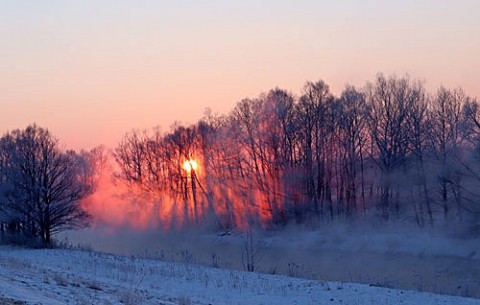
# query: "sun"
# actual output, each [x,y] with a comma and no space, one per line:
[190,165]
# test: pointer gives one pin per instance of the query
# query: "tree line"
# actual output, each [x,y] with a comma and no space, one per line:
[389,149]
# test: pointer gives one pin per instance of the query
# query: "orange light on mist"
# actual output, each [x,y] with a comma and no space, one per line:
[190,165]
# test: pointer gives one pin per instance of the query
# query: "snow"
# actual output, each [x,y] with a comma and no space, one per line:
[81,277]
[438,260]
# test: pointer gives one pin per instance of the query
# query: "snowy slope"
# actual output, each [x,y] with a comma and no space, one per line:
[397,256]
[75,277]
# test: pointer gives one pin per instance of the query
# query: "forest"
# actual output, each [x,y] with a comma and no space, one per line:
[387,151]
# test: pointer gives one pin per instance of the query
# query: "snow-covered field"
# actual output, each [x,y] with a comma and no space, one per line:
[78,277]
[443,261]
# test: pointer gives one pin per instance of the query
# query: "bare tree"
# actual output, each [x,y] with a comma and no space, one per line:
[352,121]
[43,185]
[314,133]
[391,100]
[445,139]
[417,125]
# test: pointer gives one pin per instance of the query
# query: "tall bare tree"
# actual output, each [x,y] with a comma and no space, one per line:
[352,123]
[43,185]
[445,135]
[314,133]
[391,100]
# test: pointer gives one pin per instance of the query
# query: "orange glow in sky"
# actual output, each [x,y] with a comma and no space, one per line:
[90,71]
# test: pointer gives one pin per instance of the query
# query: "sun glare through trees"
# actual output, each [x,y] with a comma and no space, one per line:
[280,158]
[389,150]
[190,165]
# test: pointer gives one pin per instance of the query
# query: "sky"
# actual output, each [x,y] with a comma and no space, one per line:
[91,70]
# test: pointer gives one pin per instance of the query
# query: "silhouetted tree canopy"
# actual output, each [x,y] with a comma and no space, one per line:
[41,185]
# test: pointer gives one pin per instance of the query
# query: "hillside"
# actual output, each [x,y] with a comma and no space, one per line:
[77,277]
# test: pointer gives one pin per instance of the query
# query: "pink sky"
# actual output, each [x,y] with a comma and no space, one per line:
[91,71]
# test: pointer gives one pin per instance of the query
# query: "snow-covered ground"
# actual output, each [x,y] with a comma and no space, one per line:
[77,277]
[440,260]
